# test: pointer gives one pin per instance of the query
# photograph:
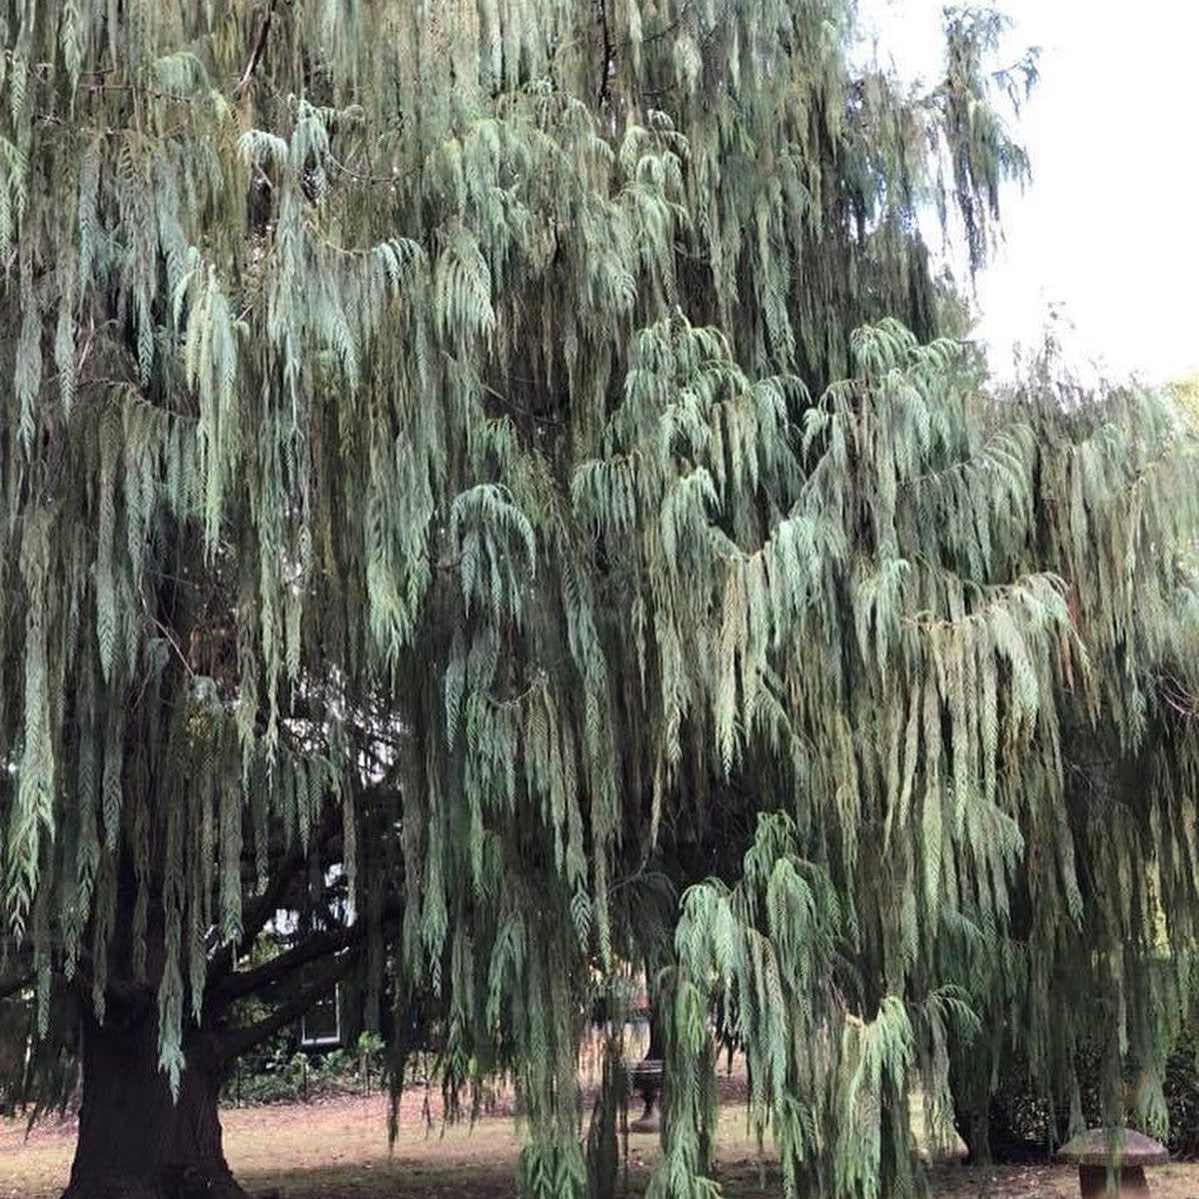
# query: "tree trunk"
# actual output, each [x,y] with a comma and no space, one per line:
[135,1141]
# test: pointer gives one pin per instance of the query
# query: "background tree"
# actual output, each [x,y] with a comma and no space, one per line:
[1185,393]
[408,466]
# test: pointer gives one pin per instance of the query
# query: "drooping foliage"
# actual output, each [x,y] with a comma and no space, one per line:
[991,683]
[444,424]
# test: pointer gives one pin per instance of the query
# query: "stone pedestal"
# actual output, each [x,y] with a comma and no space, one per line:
[1092,1181]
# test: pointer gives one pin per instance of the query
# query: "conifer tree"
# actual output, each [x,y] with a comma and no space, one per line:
[486,476]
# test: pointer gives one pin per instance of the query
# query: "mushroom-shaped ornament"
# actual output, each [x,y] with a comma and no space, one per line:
[1126,1152]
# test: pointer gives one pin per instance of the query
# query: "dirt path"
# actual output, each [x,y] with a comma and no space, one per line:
[337,1149]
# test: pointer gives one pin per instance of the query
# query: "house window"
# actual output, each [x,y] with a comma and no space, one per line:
[321,1025]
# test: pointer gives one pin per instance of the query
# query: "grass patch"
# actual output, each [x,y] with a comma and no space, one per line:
[337,1149]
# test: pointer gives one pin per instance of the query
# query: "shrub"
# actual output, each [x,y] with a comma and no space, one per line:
[283,1074]
[1023,1123]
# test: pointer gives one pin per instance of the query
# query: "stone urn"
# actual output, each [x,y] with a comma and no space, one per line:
[646,1080]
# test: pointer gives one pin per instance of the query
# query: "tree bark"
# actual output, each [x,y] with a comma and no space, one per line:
[135,1141]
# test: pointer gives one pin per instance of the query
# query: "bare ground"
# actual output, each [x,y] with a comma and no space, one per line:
[337,1149]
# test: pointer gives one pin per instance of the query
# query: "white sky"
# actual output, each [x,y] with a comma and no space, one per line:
[1108,230]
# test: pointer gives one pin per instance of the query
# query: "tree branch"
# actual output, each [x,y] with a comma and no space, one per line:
[310,949]
[318,945]
[258,51]
[256,916]
[260,911]
[606,72]
[237,1040]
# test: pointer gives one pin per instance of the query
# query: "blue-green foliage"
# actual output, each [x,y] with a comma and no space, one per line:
[504,448]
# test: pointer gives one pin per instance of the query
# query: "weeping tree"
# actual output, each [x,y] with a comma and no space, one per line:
[489,479]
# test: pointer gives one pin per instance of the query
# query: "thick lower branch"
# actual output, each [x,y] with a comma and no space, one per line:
[237,1041]
[266,978]
[248,982]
